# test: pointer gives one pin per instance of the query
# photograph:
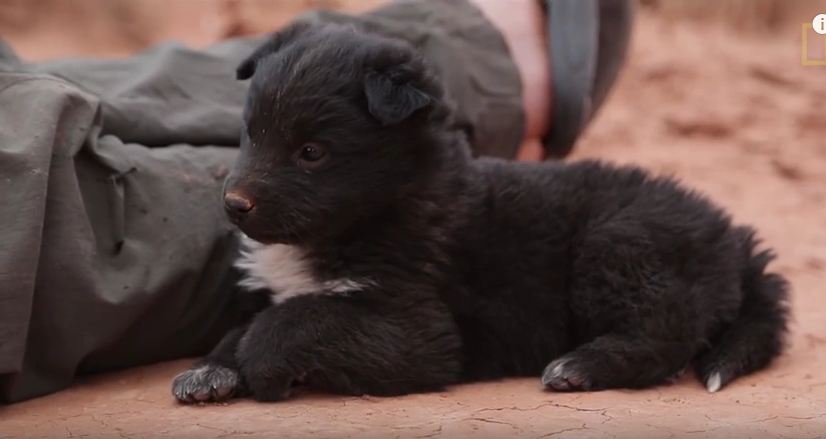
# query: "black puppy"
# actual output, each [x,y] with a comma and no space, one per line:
[397,263]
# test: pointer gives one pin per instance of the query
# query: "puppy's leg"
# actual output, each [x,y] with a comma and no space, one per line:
[216,377]
[350,346]
[642,318]
[617,360]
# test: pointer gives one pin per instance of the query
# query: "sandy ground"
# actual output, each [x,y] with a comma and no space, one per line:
[733,114]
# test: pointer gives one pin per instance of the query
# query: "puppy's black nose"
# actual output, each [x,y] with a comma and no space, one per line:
[237,203]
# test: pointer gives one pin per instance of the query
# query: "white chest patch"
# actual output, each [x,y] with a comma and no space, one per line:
[285,270]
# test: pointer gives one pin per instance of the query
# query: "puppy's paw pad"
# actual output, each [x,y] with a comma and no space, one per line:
[205,383]
[565,374]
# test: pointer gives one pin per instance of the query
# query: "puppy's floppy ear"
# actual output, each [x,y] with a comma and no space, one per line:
[391,95]
[277,41]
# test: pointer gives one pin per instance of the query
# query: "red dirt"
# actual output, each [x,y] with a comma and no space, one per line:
[734,115]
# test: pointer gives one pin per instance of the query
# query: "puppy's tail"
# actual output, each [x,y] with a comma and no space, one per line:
[757,336]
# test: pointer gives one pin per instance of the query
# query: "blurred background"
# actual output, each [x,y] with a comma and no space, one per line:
[43,29]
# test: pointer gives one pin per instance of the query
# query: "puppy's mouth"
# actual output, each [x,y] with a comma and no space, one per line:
[259,227]
[268,235]
[267,238]
[263,220]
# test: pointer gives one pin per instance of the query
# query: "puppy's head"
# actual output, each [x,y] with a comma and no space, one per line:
[337,124]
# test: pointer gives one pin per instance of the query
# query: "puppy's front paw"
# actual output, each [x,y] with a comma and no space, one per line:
[205,383]
[567,374]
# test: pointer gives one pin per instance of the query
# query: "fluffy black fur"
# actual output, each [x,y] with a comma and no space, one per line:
[600,276]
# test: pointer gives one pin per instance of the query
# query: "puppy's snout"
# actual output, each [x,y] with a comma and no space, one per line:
[237,203]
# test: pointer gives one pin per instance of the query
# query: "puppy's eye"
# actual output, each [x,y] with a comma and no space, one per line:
[311,155]
[312,152]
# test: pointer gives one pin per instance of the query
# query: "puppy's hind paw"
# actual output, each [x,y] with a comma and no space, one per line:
[564,374]
[205,383]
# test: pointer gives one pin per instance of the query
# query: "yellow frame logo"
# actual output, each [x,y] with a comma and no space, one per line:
[804,48]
